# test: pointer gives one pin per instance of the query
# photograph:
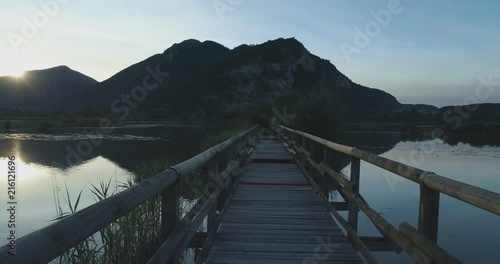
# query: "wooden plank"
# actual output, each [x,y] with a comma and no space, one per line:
[272,223]
[279,247]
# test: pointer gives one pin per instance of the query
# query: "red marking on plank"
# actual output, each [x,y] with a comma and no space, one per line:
[274,183]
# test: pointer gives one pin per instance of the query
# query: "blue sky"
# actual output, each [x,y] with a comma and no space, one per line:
[429,52]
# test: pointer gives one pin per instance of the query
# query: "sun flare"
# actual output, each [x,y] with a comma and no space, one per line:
[18,74]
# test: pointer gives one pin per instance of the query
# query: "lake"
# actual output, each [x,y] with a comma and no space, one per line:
[44,174]
[466,232]
[45,171]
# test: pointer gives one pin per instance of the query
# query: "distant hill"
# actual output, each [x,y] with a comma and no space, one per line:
[454,116]
[475,113]
[210,80]
[180,61]
[41,89]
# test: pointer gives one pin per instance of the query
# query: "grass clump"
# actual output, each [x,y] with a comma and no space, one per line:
[133,238]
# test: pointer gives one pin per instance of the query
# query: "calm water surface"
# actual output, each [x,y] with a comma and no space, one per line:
[468,233]
[44,174]
[47,165]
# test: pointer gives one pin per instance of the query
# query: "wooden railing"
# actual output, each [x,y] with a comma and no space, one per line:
[313,152]
[48,243]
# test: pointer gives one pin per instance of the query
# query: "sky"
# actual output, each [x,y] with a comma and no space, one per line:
[421,51]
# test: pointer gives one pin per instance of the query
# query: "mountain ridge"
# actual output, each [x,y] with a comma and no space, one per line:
[211,80]
[38,89]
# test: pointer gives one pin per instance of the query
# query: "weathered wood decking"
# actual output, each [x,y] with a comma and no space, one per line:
[275,217]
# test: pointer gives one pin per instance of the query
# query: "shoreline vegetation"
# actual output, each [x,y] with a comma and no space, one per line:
[133,238]
[330,127]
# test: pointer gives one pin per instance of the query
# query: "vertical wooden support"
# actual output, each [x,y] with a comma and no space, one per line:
[327,156]
[297,140]
[428,218]
[302,155]
[353,209]
[313,156]
[231,156]
[170,212]
[213,173]
[296,143]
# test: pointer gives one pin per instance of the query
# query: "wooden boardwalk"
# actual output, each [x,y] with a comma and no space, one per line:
[275,217]
[271,215]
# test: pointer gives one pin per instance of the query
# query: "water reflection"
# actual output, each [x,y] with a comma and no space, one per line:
[126,150]
[466,232]
[40,188]
[45,173]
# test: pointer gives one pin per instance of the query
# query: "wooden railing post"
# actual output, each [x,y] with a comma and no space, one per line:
[296,140]
[428,218]
[353,208]
[304,146]
[327,156]
[213,173]
[296,145]
[170,212]
[312,155]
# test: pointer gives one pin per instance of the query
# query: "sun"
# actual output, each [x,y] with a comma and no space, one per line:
[18,74]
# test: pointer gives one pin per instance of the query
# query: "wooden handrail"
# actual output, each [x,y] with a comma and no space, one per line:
[389,231]
[484,199]
[335,146]
[421,244]
[351,233]
[47,243]
[426,245]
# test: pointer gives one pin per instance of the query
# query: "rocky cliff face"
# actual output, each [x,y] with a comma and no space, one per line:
[260,82]
[258,75]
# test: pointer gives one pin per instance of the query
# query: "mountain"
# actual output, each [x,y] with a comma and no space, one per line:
[40,89]
[180,61]
[201,79]
[211,80]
